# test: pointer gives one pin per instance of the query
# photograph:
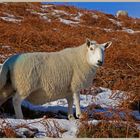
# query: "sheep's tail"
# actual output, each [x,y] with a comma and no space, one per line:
[3,74]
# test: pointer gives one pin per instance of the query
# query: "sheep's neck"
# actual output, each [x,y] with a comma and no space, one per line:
[83,72]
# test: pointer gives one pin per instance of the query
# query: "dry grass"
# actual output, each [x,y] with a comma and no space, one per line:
[52,129]
[118,122]
[120,71]
[121,68]
[6,130]
[108,130]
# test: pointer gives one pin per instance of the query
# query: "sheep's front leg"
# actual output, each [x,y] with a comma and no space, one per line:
[17,106]
[70,108]
[76,97]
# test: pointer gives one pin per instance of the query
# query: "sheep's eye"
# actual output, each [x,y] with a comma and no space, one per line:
[91,49]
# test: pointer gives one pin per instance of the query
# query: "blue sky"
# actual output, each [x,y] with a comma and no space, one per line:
[133,8]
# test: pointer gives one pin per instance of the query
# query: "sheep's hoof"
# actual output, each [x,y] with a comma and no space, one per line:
[71,117]
[78,116]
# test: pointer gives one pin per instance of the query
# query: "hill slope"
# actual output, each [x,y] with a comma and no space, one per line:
[28,27]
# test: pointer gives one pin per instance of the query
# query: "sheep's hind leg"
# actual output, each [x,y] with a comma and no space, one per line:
[17,106]
[70,109]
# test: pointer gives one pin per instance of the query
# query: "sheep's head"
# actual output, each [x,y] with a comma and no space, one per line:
[95,53]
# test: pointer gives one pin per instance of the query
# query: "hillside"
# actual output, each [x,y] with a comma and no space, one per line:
[30,27]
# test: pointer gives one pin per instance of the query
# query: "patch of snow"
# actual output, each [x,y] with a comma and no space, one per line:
[109,99]
[42,15]
[105,98]
[77,18]
[68,22]
[115,22]
[10,18]
[38,13]
[5,47]
[130,31]
[46,18]
[54,106]
[60,12]
[58,105]
[9,15]
[70,127]
[95,16]
[46,5]
[94,122]
[107,30]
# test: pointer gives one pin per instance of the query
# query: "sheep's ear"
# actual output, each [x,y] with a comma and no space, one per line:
[107,44]
[88,42]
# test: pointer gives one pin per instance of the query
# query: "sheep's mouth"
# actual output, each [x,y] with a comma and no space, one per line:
[98,65]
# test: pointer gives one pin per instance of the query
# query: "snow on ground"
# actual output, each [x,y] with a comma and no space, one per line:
[115,22]
[52,126]
[78,16]
[46,5]
[10,18]
[107,30]
[95,16]
[108,99]
[130,31]
[5,47]
[103,99]
[46,18]
[74,18]
[60,12]
[68,22]
[46,127]
[42,15]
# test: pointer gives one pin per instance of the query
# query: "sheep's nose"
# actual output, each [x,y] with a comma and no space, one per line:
[100,63]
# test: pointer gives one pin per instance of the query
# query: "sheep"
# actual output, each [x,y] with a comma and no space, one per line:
[122,13]
[5,92]
[42,77]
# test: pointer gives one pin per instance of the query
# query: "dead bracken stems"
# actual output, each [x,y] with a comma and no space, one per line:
[130,67]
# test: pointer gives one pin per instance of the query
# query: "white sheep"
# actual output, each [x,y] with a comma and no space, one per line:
[122,13]
[5,92]
[42,77]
